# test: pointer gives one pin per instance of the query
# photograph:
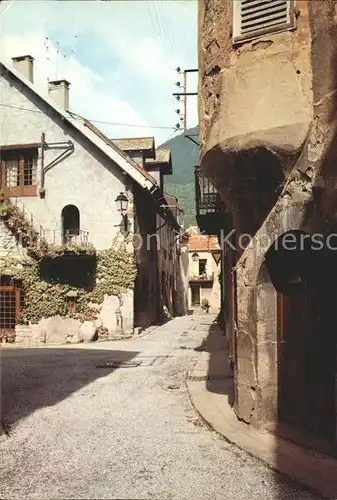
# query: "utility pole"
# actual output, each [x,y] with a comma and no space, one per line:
[185,94]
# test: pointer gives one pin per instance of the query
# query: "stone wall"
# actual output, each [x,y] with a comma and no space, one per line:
[114,316]
[245,104]
[8,243]
[256,92]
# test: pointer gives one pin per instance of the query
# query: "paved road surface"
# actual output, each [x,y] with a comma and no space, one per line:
[81,431]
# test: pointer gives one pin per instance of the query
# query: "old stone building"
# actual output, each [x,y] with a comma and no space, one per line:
[71,202]
[267,97]
[159,290]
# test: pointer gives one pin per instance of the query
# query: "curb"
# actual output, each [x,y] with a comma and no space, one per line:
[313,471]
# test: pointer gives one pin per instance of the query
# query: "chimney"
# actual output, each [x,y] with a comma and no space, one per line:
[59,91]
[24,64]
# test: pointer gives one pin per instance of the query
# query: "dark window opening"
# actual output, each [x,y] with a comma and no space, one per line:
[76,272]
[202,266]
[70,224]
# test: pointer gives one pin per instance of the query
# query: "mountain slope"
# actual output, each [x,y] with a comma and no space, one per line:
[181,182]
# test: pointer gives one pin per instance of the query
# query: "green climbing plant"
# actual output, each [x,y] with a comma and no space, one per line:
[115,274]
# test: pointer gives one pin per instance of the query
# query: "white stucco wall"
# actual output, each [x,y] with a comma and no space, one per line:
[206,291]
[86,179]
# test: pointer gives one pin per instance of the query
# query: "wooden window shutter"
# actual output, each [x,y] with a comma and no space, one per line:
[253,18]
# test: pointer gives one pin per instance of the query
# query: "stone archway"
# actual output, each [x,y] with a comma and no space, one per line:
[294,356]
[256,354]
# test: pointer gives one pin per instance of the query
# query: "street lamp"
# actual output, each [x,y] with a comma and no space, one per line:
[122,207]
[195,257]
[122,203]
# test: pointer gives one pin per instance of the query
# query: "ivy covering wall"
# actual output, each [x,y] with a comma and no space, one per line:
[115,274]
[115,271]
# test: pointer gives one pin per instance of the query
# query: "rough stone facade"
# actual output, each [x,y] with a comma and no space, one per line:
[159,289]
[8,242]
[268,142]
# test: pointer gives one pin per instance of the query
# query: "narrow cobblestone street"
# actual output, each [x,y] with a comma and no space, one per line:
[78,429]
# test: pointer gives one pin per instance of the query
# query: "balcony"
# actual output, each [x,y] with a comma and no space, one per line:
[211,212]
[67,238]
[68,242]
[202,278]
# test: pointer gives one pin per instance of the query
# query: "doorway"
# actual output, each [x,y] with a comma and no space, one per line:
[195,295]
[306,356]
[305,342]
[70,224]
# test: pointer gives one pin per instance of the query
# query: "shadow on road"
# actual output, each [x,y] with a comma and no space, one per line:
[34,378]
[219,374]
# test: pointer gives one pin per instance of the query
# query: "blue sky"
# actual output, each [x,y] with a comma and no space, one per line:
[119,56]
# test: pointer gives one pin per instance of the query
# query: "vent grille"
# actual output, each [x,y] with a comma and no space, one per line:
[255,17]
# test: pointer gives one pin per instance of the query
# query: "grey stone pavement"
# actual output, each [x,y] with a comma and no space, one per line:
[77,430]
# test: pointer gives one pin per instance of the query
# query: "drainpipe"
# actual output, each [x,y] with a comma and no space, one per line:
[43,141]
[223,286]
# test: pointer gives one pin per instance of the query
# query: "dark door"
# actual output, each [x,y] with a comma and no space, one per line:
[195,293]
[305,359]
[293,329]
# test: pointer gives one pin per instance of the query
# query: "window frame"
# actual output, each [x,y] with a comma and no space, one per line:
[16,293]
[204,262]
[22,154]
[238,38]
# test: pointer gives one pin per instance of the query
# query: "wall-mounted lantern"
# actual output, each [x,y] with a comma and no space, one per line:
[122,207]
[195,257]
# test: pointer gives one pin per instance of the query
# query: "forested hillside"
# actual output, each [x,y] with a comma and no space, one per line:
[181,182]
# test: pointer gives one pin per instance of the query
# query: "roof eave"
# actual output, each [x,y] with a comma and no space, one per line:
[112,153]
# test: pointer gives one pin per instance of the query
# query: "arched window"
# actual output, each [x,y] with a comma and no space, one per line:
[70,223]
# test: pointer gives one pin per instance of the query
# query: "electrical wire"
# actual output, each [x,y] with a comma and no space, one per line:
[94,121]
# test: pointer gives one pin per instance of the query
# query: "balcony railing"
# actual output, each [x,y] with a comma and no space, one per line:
[208,278]
[211,211]
[68,238]
[206,195]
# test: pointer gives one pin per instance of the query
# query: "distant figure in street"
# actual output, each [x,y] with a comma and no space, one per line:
[166,312]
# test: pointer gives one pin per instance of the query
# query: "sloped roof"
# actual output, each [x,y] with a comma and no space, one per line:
[108,141]
[144,144]
[163,155]
[162,160]
[201,243]
[95,136]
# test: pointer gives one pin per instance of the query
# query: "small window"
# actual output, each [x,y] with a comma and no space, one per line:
[202,266]
[253,18]
[19,172]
